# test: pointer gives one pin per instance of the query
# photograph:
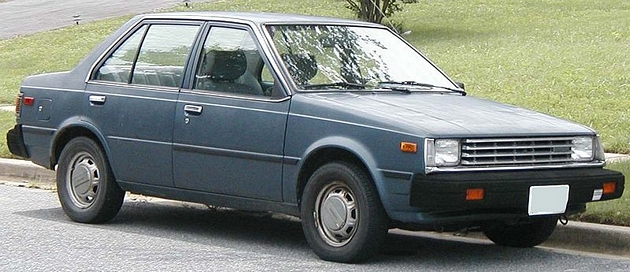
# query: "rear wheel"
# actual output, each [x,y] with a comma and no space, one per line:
[533,232]
[342,216]
[85,184]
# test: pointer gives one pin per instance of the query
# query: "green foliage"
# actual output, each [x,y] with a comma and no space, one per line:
[375,10]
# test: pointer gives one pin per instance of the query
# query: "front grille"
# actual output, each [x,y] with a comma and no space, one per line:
[516,151]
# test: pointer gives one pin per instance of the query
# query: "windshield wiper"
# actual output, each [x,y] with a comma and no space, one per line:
[341,84]
[396,88]
[419,84]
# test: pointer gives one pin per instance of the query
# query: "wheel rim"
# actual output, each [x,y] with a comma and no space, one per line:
[82,180]
[336,214]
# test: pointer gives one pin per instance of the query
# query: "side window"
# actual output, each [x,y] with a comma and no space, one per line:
[230,62]
[266,75]
[160,59]
[118,66]
[163,55]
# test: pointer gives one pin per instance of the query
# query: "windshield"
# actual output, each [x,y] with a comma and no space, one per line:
[351,57]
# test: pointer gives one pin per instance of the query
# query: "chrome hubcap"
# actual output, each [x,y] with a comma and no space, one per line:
[84,178]
[336,214]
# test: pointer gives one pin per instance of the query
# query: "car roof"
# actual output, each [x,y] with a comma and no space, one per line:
[256,18]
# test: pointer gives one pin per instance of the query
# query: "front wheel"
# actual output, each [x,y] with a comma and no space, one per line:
[86,186]
[533,232]
[342,216]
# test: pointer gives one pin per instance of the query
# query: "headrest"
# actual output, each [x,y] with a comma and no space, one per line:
[225,65]
[302,67]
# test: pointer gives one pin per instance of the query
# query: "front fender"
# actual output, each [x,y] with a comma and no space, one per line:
[359,150]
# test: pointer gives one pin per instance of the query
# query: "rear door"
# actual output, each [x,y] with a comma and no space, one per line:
[229,129]
[132,95]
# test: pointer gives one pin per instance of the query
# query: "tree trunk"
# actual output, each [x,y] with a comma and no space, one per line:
[370,10]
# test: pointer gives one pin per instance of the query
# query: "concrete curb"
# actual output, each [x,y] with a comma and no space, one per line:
[25,170]
[578,236]
[575,236]
[10,108]
[589,237]
[585,237]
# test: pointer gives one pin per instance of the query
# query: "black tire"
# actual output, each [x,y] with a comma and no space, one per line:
[86,186]
[533,232]
[355,225]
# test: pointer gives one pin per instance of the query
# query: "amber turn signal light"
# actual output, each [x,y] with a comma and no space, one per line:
[475,194]
[408,147]
[609,187]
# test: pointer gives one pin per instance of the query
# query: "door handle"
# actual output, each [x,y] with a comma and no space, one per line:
[193,109]
[97,99]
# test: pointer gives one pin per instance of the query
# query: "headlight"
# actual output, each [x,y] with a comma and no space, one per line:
[582,148]
[442,152]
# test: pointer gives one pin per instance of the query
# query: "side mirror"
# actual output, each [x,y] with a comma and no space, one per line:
[460,85]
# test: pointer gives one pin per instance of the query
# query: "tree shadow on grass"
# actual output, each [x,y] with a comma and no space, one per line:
[431,34]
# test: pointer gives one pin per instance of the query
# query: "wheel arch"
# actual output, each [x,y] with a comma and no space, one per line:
[71,131]
[344,150]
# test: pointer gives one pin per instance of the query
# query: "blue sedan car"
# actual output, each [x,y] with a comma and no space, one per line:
[339,122]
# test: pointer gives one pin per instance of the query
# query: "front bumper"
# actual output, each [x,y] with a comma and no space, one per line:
[15,141]
[506,192]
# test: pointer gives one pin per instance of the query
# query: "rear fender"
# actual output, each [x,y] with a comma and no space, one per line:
[71,128]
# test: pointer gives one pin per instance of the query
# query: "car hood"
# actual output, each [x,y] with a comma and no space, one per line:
[443,115]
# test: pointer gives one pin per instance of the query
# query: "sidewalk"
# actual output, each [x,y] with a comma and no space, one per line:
[7,108]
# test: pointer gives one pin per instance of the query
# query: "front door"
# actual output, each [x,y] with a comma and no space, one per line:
[229,131]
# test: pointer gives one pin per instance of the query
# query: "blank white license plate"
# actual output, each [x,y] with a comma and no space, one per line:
[550,199]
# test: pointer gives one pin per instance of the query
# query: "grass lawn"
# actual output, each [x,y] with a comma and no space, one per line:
[7,121]
[50,51]
[564,57]
[568,58]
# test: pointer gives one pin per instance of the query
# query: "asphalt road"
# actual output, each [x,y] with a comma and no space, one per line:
[21,17]
[35,235]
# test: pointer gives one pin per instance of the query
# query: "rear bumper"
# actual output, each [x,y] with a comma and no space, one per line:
[15,141]
[444,194]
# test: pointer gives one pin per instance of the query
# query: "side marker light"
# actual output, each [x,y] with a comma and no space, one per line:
[408,147]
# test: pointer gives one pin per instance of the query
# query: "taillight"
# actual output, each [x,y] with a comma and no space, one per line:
[28,101]
[21,101]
